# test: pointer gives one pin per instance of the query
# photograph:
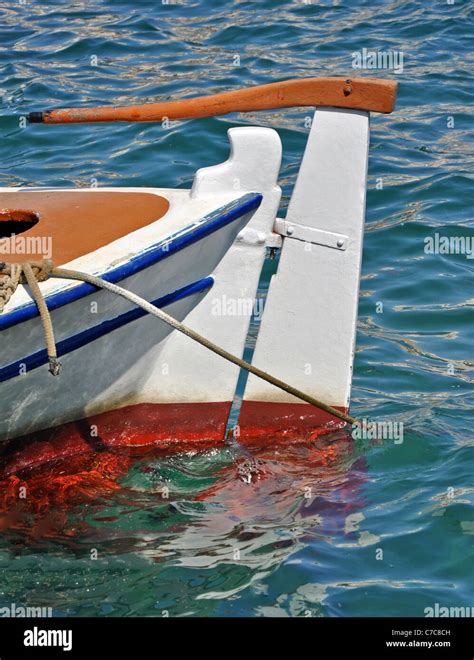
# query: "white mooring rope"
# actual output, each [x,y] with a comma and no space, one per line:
[12,275]
[163,316]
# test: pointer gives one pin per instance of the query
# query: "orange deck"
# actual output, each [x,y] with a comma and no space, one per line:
[71,223]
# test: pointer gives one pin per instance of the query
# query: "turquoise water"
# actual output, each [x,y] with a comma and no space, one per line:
[386,529]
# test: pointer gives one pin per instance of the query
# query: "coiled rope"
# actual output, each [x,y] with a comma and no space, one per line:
[33,273]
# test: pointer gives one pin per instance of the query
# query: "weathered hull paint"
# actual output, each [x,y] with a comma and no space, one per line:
[169,426]
[135,429]
[284,421]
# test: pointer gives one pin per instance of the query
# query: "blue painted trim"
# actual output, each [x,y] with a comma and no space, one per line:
[190,234]
[85,337]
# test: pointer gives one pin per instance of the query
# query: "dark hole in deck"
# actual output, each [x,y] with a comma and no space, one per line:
[13,222]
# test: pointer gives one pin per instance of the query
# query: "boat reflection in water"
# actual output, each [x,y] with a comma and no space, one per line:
[198,506]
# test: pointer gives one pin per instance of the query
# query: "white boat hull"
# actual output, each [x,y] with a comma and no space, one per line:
[129,381]
[110,352]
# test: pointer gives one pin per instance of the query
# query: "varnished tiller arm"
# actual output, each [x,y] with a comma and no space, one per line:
[370,94]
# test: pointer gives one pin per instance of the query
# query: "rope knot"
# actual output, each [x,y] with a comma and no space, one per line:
[11,275]
[41,270]
[31,272]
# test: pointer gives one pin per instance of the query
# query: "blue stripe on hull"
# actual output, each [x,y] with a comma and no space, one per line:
[190,234]
[85,337]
